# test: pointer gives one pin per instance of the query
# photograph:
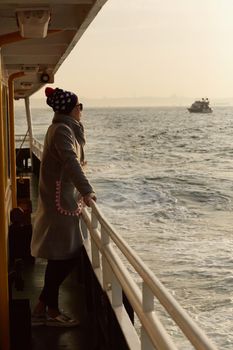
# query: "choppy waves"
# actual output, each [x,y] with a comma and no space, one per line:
[164,178]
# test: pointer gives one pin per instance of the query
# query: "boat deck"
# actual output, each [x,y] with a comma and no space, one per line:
[71,300]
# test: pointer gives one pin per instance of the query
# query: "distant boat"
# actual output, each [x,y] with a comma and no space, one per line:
[201,106]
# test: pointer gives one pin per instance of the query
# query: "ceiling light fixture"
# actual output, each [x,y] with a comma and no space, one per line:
[33,22]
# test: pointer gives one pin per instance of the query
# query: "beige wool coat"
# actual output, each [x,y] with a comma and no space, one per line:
[56,233]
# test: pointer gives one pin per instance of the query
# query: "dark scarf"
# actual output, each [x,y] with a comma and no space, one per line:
[77,128]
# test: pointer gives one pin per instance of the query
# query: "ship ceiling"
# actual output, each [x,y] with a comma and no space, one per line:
[40,57]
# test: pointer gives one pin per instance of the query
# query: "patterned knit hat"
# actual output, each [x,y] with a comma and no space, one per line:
[61,100]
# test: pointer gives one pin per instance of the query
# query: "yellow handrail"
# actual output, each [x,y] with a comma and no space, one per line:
[12,136]
[4,298]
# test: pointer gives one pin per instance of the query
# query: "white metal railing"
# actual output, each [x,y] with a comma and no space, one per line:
[114,277]
[22,140]
[21,137]
[37,148]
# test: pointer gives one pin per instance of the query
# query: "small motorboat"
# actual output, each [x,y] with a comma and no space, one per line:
[200,106]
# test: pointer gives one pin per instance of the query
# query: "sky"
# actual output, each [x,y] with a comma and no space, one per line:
[148,48]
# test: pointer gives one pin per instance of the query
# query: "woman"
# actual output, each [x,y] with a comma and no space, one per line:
[63,187]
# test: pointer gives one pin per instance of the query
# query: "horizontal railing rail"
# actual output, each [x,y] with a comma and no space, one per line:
[21,137]
[101,240]
[22,140]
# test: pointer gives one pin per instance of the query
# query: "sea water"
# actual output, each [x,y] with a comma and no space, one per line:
[164,180]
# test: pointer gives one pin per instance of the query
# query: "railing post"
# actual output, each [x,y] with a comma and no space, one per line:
[116,292]
[105,266]
[147,298]
[148,306]
[84,229]
[145,341]
[94,249]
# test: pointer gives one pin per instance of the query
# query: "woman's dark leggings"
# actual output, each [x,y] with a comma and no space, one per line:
[55,273]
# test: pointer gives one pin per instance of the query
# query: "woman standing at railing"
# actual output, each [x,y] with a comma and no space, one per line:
[63,187]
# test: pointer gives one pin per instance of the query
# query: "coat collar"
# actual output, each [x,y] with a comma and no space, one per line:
[66,119]
[76,126]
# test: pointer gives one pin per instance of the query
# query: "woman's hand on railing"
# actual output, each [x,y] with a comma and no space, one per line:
[88,198]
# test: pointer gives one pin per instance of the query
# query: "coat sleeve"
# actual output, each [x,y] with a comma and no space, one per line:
[65,148]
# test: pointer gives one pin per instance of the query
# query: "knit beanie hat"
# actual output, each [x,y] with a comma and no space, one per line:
[61,100]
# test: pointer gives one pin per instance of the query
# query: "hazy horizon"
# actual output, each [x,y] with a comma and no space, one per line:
[146,101]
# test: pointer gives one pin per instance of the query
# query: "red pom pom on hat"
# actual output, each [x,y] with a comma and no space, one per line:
[49,91]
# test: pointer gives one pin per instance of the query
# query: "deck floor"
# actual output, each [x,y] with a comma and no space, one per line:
[71,300]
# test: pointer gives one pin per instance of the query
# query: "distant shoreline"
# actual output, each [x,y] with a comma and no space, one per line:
[132,103]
